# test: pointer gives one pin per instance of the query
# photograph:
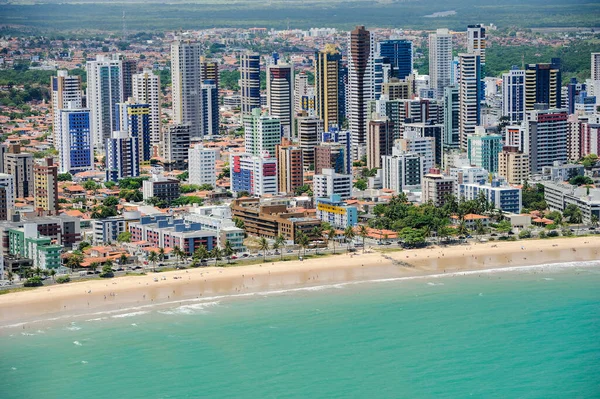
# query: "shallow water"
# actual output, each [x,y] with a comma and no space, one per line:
[531,333]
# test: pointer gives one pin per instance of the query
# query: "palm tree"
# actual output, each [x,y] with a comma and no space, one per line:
[349,236]
[331,237]
[37,271]
[216,253]
[280,240]
[178,253]
[594,220]
[263,245]
[94,266]
[228,250]
[363,232]
[152,258]
[10,276]
[275,246]
[201,253]
[462,228]
[52,273]
[304,242]
[161,254]
[123,259]
[479,227]
[317,232]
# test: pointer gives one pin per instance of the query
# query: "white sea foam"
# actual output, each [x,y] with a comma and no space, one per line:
[197,308]
[84,362]
[132,314]
[27,334]
[77,343]
[73,328]
[13,368]
[98,319]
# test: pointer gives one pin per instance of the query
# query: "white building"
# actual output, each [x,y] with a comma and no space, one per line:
[513,95]
[201,165]
[186,80]
[176,145]
[545,138]
[469,95]
[146,90]
[257,175]
[440,61]
[467,175]
[401,170]
[559,196]
[104,92]
[218,218]
[66,93]
[280,89]
[7,195]
[476,41]
[329,183]
[423,146]
[501,196]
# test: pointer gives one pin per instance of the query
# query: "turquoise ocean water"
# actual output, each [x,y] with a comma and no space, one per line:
[527,334]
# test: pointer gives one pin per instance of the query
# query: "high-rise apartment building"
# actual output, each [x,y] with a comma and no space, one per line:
[257,175]
[380,141]
[20,166]
[209,105]
[186,80]
[469,92]
[7,195]
[128,70]
[513,95]
[104,92]
[594,83]
[261,132]
[134,119]
[545,140]
[398,54]
[329,183]
[423,146]
[543,85]
[250,82]
[513,165]
[401,170]
[361,89]
[176,145]
[290,170]
[483,150]
[329,87]
[76,147]
[146,90]
[476,41]
[451,117]
[209,70]
[201,165]
[66,93]
[45,187]
[122,156]
[437,188]
[440,61]
[309,132]
[397,89]
[331,155]
[280,90]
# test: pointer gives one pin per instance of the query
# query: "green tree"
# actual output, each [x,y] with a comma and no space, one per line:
[64,177]
[228,250]
[412,237]
[349,236]
[200,254]
[331,234]
[303,241]
[123,259]
[107,271]
[504,227]
[90,185]
[217,254]
[363,232]
[263,245]
[594,220]
[161,254]
[124,237]
[360,184]
[280,241]
[179,254]
[152,257]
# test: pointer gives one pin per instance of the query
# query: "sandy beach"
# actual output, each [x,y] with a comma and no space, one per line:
[94,296]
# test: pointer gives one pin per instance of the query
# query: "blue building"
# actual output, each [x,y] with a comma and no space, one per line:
[75,146]
[134,119]
[250,82]
[209,107]
[399,54]
[335,212]
[122,156]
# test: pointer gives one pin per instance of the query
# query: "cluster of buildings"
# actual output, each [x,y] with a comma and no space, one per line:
[367,120]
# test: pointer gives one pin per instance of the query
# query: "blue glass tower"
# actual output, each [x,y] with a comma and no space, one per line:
[75,147]
[399,54]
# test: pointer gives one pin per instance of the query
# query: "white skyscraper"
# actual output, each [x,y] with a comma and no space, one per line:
[66,93]
[440,61]
[513,95]
[201,165]
[261,132]
[104,91]
[595,77]
[476,41]
[302,92]
[469,87]
[146,90]
[361,86]
[186,80]
[280,89]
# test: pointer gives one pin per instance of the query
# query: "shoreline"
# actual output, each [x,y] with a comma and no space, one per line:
[212,283]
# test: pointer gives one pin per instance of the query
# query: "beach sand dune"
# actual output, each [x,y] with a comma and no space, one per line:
[155,288]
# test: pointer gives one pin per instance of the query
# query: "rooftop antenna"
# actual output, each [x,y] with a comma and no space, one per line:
[523,61]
